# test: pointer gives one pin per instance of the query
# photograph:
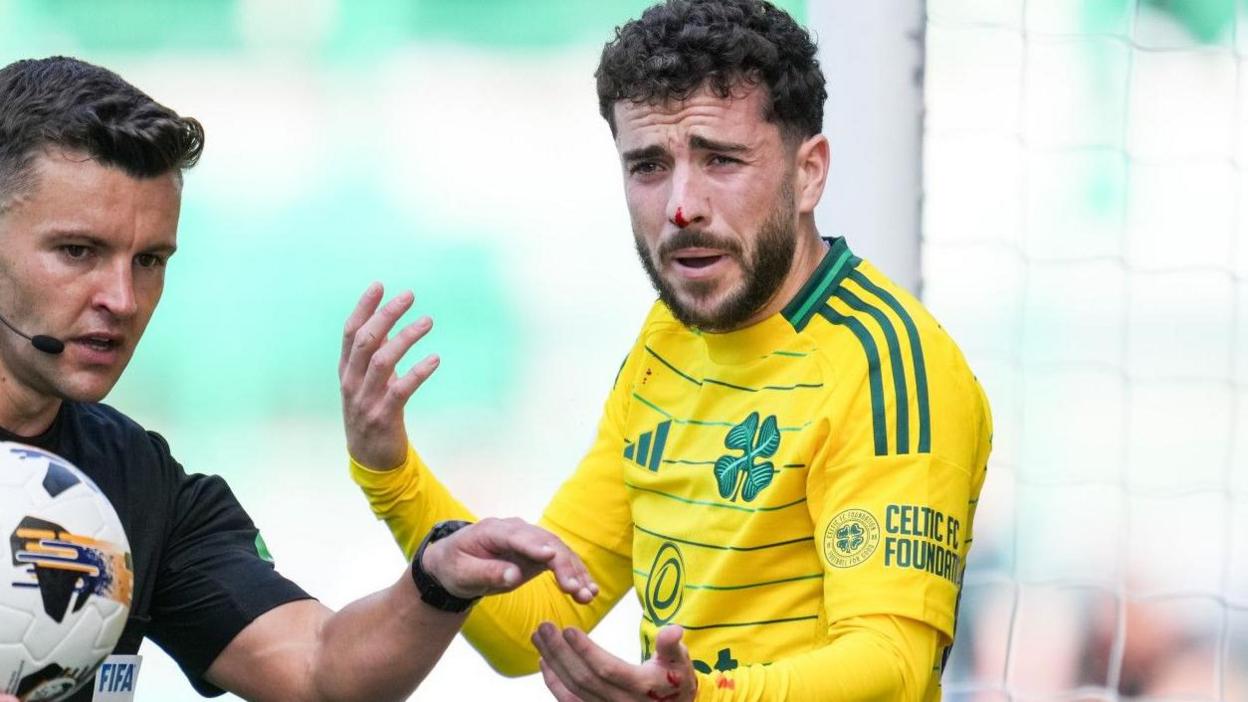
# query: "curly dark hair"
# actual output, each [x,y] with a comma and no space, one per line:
[678,46]
[68,103]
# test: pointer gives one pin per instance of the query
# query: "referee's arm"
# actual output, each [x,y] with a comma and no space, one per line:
[381,646]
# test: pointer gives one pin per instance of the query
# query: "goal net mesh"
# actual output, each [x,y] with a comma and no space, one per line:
[1085,239]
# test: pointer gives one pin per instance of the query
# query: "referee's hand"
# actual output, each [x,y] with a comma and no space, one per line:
[373,395]
[499,555]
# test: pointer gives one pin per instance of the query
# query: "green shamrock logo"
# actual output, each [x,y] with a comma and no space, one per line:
[849,537]
[741,473]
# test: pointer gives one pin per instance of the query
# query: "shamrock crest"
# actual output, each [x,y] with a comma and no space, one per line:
[733,473]
[849,537]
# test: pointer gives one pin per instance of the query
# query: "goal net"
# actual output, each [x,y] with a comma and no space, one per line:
[1085,239]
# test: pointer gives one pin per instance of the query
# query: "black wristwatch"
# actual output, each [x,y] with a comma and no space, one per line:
[431,591]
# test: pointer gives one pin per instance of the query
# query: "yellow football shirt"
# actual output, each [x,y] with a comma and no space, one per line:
[820,465]
[768,488]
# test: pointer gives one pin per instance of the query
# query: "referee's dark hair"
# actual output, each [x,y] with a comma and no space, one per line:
[678,46]
[67,103]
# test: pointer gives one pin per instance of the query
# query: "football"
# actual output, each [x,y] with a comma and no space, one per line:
[65,575]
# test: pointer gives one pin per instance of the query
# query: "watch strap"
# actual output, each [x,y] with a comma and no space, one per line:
[431,591]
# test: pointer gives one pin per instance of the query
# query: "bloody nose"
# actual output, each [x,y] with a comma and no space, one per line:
[680,218]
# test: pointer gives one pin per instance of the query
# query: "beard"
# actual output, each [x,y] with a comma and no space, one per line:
[763,272]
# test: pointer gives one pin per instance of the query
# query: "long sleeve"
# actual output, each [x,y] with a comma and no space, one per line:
[868,658]
[590,513]
[411,500]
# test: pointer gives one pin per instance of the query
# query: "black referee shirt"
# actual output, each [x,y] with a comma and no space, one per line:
[198,577]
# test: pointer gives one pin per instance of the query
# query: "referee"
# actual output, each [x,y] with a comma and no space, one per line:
[90,191]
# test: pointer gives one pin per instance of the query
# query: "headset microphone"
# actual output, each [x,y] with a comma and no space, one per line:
[44,343]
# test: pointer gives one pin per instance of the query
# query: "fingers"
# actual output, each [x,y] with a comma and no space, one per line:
[672,658]
[559,657]
[372,397]
[380,369]
[553,683]
[589,672]
[667,645]
[572,575]
[464,574]
[534,549]
[363,310]
[403,388]
[604,666]
[497,555]
[572,668]
[485,577]
[542,546]
[370,336]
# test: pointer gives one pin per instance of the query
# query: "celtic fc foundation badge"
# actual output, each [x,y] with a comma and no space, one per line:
[851,538]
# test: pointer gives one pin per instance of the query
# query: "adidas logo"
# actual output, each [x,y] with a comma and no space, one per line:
[647,451]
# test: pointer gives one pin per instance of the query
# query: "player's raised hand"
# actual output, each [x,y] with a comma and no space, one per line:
[373,395]
[8,698]
[499,555]
[578,670]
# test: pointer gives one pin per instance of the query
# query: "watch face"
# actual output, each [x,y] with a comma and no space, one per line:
[441,530]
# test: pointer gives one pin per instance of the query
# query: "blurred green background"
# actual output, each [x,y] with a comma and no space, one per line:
[450,147]
[1084,196]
